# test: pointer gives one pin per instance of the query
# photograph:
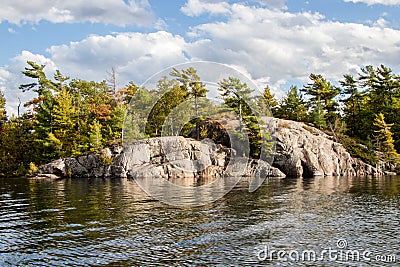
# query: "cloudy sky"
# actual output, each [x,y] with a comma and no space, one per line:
[275,42]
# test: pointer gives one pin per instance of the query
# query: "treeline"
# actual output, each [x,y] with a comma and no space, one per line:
[71,116]
[66,118]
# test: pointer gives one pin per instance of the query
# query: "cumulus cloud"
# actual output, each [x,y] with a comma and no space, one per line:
[134,55]
[195,8]
[285,46]
[270,46]
[116,12]
[375,2]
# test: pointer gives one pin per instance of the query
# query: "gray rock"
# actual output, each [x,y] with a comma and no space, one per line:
[302,150]
[74,169]
[56,167]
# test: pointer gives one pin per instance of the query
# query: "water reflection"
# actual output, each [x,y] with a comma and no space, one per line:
[98,222]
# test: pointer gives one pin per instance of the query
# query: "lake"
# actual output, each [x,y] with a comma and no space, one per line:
[332,221]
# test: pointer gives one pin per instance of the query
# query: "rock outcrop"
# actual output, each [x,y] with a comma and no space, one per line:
[161,157]
[302,150]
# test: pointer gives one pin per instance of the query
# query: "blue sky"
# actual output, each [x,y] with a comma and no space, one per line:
[275,42]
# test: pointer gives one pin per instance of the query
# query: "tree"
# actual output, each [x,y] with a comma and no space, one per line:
[237,96]
[127,93]
[385,139]
[190,81]
[65,123]
[353,106]
[383,96]
[3,113]
[270,98]
[170,95]
[95,136]
[324,92]
[292,106]
[318,116]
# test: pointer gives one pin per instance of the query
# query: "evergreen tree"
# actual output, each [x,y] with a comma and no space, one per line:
[270,98]
[385,139]
[353,106]
[318,116]
[171,94]
[292,106]
[237,96]
[191,82]
[323,93]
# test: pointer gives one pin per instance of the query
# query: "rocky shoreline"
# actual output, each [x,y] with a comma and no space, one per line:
[301,150]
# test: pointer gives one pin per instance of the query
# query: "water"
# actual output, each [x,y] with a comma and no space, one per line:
[95,222]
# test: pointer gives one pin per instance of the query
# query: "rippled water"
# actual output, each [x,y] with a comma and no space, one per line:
[94,222]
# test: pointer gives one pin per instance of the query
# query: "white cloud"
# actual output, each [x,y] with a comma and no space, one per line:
[381,23]
[136,56]
[287,46]
[271,46]
[195,8]
[116,12]
[375,2]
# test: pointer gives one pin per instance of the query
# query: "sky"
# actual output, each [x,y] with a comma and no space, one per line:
[273,42]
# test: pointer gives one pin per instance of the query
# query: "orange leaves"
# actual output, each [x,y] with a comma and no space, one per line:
[102,111]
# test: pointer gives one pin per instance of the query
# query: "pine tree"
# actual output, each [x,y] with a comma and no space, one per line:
[292,106]
[353,106]
[385,138]
[237,96]
[324,92]
[270,98]
[318,116]
[191,81]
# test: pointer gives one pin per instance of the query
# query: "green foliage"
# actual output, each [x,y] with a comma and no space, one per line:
[168,101]
[323,95]
[68,117]
[33,169]
[270,98]
[95,136]
[385,139]
[358,150]
[318,116]
[3,113]
[292,106]
[238,97]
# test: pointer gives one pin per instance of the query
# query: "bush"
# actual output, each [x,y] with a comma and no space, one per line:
[358,150]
